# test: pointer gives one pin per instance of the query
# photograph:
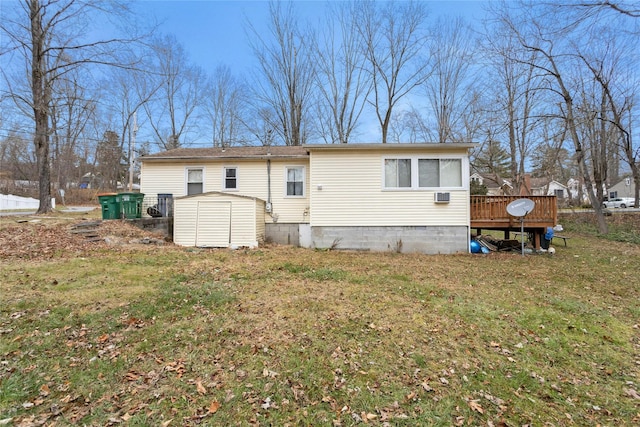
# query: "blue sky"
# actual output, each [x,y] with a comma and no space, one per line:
[213,31]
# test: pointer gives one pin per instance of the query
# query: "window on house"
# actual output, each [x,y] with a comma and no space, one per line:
[397,173]
[559,193]
[295,181]
[230,178]
[439,173]
[195,181]
[422,173]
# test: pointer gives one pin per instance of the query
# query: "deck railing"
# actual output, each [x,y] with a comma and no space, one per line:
[491,212]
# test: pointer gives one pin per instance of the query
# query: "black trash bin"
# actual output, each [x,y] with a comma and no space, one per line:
[165,204]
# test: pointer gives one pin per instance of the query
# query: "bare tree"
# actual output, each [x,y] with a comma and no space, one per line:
[71,108]
[225,103]
[553,58]
[515,92]
[52,37]
[341,74]
[16,159]
[261,125]
[394,37]
[288,73]
[124,93]
[450,86]
[181,85]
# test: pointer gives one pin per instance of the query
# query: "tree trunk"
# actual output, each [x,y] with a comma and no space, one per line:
[40,91]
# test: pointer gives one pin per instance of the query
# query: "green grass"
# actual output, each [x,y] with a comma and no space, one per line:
[287,336]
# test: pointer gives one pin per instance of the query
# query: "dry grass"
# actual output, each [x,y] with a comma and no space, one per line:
[160,335]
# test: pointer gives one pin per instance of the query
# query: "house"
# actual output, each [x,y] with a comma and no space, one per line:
[624,188]
[544,187]
[379,197]
[495,185]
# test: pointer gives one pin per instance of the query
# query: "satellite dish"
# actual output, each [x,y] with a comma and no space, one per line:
[520,207]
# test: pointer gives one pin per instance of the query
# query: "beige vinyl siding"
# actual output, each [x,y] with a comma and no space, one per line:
[214,223]
[163,177]
[218,220]
[288,209]
[243,223]
[260,218]
[184,223]
[352,193]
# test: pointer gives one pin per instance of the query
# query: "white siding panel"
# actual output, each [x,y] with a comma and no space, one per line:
[158,178]
[218,220]
[243,223]
[352,195]
[213,223]
[260,217]
[185,212]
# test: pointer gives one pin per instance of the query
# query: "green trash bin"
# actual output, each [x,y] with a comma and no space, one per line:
[131,205]
[110,203]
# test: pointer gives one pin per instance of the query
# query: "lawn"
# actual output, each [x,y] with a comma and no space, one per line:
[130,334]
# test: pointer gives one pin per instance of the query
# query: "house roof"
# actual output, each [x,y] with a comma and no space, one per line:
[285,151]
[248,152]
[423,146]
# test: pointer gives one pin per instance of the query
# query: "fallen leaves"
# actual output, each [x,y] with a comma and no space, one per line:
[475,406]
[631,393]
[200,388]
[213,408]
[46,240]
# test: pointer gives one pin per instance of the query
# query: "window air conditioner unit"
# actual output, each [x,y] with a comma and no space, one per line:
[442,197]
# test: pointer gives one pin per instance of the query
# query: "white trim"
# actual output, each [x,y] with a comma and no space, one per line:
[186,178]
[464,170]
[304,181]
[224,178]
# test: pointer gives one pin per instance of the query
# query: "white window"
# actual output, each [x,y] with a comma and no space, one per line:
[195,181]
[397,173]
[418,173]
[230,178]
[295,181]
[440,173]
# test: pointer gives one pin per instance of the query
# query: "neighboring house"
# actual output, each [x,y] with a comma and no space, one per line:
[496,186]
[380,197]
[624,188]
[544,187]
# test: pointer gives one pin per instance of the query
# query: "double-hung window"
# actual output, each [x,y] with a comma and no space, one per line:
[230,178]
[420,173]
[295,181]
[195,180]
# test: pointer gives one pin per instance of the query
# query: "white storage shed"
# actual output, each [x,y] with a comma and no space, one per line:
[218,220]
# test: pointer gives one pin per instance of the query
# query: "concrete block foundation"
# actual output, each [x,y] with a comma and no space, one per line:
[283,233]
[407,239]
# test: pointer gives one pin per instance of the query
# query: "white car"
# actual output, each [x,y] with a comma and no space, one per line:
[619,202]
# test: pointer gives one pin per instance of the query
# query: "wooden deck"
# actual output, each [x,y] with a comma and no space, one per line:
[490,213]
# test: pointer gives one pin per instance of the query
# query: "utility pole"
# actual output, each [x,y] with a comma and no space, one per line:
[132,145]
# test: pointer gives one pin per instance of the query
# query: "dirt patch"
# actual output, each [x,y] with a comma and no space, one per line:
[49,237]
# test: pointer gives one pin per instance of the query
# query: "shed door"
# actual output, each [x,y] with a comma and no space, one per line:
[213,224]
